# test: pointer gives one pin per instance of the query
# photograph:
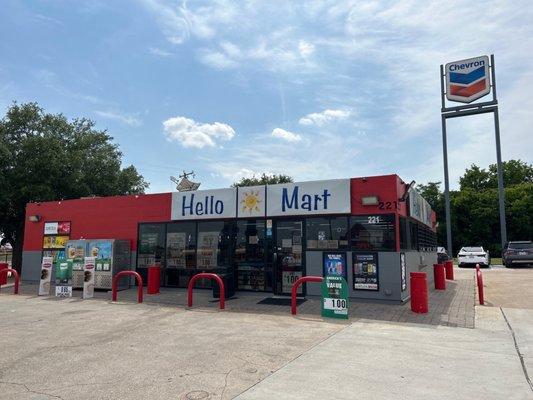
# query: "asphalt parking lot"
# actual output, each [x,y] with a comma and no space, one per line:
[96,349]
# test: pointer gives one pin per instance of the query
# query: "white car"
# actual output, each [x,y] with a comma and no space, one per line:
[473,256]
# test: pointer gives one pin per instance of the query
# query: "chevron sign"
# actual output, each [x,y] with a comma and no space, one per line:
[467,80]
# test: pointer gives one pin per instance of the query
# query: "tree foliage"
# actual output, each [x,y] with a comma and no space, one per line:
[264,179]
[45,157]
[475,209]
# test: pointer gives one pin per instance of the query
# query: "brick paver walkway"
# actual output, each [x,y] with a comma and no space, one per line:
[453,307]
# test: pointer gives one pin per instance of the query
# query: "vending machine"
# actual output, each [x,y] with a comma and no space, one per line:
[75,251]
[111,257]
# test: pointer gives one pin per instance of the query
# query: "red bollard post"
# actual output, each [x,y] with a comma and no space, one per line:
[154,280]
[439,276]
[3,277]
[114,285]
[208,275]
[480,285]
[295,286]
[419,292]
[15,274]
[449,269]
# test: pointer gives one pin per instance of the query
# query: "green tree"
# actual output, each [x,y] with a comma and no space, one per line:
[264,179]
[515,172]
[45,157]
[474,208]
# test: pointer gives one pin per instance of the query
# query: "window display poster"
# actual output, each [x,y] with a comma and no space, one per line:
[176,243]
[334,264]
[288,278]
[63,269]
[88,277]
[365,271]
[335,297]
[207,249]
[403,272]
[46,276]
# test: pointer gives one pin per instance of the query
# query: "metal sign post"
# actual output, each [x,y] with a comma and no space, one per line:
[465,87]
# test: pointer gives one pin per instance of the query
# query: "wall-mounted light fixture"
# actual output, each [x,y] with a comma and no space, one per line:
[34,218]
[370,200]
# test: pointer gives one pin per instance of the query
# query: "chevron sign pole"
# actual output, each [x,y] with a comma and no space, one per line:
[465,81]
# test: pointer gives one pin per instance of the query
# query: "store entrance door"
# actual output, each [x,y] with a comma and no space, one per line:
[288,260]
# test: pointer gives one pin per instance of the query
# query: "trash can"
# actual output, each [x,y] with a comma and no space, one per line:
[419,292]
[3,277]
[154,279]
[229,287]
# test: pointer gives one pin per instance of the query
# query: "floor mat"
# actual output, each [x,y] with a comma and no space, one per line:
[279,301]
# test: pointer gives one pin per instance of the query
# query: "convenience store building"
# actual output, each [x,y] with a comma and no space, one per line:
[375,229]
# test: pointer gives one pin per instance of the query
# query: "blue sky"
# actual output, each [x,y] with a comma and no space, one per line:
[315,89]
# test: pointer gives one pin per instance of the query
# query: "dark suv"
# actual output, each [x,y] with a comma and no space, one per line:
[519,252]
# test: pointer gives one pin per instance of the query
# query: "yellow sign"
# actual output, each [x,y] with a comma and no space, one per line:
[55,242]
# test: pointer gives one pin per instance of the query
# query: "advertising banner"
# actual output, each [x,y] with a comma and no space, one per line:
[365,271]
[334,297]
[57,228]
[203,204]
[308,198]
[334,264]
[419,208]
[55,242]
[251,201]
[88,277]
[102,251]
[63,270]
[46,276]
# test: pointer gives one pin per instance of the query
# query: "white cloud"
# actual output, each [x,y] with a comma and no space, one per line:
[194,134]
[286,135]
[123,118]
[306,48]
[324,117]
[216,59]
[159,52]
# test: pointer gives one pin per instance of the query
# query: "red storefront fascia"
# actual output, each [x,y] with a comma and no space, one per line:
[117,217]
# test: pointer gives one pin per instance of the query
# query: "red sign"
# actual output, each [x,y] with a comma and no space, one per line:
[63,228]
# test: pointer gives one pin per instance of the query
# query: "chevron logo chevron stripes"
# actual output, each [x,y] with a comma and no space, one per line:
[467,80]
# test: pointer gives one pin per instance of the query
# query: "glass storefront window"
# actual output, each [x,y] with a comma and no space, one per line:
[213,244]
[327,233]
[249,255]
[151,244]
[373,232]
[181,245]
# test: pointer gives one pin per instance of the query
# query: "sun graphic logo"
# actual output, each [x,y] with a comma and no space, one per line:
[251,201]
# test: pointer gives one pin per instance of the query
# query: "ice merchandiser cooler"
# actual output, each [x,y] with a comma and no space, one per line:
[75,251]
[111,257]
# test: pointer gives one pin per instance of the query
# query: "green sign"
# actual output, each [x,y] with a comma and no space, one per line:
[334,297]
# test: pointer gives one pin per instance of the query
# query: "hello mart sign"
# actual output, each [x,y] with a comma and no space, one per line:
[305,198]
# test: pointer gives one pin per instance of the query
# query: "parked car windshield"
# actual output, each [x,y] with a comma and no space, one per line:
[472,249]
[521,245]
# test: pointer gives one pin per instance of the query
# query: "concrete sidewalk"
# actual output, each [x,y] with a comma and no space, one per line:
[370,360]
